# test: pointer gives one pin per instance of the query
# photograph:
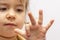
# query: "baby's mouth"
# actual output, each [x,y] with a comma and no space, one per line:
[10,24]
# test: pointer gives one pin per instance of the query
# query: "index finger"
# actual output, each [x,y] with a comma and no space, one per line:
[32,19]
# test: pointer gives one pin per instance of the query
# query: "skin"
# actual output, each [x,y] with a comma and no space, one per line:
[11,12]
[35,30]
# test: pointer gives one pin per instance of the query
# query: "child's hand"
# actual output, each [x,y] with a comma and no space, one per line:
[35,30]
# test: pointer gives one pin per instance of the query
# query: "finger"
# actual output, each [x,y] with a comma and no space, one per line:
[49,24]
[40,20]
[27,28]
[32,19]
[20,32]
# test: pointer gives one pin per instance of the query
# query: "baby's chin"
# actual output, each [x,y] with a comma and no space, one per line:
[8,33]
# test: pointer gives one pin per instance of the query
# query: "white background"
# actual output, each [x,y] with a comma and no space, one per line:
[51,10]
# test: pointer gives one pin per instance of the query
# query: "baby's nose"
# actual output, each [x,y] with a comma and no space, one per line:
[11,15]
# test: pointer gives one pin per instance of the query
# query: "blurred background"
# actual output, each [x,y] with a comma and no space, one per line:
[51,10]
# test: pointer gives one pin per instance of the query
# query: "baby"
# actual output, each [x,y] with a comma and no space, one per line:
[12,19]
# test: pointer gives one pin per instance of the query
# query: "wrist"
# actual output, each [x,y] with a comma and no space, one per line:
[41,38]
[37,38]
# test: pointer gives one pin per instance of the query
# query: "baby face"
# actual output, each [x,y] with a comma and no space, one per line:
[12,15]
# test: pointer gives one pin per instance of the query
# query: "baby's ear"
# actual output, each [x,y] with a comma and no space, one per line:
[26,22]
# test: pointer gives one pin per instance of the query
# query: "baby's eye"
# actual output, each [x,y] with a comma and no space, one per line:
[19,10]
[3,9]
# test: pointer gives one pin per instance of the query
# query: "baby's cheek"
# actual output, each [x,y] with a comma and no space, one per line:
[20,21]
[20,24]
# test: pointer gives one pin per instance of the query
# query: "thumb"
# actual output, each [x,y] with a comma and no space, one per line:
[20,32]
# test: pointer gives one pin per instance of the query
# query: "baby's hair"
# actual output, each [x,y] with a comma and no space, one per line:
[25,1]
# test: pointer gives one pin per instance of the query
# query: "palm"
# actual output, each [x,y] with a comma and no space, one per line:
[37,32]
